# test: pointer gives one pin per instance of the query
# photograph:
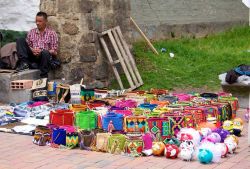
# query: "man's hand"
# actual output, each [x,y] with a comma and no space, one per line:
[36,51]
[53,52]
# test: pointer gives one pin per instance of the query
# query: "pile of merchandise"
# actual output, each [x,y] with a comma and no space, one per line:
[138,123]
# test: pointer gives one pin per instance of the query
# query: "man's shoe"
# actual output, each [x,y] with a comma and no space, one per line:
[22,66]
[44,75]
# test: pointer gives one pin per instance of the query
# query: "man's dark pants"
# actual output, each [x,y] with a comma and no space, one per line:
[25,55]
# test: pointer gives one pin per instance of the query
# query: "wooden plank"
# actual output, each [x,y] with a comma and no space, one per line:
[144,37]
[111,61]
[115,62]
[126,59]
[131,58]
[110,35]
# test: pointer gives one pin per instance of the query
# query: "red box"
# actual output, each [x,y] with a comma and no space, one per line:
[62,117]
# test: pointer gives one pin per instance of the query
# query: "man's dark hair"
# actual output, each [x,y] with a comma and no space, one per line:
[43,14]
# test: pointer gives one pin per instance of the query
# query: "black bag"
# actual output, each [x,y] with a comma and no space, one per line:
[232,77]
[54,63]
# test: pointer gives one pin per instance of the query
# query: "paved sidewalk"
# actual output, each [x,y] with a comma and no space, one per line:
[18,152]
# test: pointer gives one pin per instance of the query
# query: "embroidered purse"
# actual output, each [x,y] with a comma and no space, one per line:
[59,136]
[75,91]
[86,120]
[148,106]
[111,117]
[160,127]
[39,89]
[116,143]
[135,124]
[72,140]
[42,136]
[158,91]
[78,107]
[102,141]
[233,102]
[134,146]
[198,115]
[62,117]
[126,103]
[62,93]
[87,94]
[86,139]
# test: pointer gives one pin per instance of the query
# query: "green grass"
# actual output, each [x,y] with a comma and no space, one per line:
[197,62]
[11,36]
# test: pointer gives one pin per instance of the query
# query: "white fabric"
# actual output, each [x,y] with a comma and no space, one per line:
[26,129]
[34,121]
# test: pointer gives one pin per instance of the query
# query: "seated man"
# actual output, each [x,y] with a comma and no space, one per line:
[37,50]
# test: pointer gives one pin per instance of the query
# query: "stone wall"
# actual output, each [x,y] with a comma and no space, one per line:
[78,23]
[161,19]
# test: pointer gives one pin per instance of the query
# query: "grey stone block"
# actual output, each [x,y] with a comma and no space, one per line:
[16,96]
[240,91]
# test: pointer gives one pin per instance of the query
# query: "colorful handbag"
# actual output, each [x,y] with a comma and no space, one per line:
[62,117]
[62,93]
[149,97]
[160,127]
[39,90]
[126,103]
[101,94]
[177,122]
[225,110]
[111,117]
[52,88]
[140,111]
[42,136]
[77,107]
[116,143]
[211,112]
[86,139]
[148,106]
[198,115]
[158,91]
[170,99]
[87,94]
[69,129]
[182,96]
[134,146]
[102,141]
[160,104]
[135,124]
[147,141]
[75,93]
[96,103]
[86,120]
[59,136]
[233,102]
[124,112]
[138,99]
[72,140]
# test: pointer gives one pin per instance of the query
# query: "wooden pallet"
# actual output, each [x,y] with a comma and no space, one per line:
[125,58]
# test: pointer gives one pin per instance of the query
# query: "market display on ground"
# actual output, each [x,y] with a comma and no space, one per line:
[188,126]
